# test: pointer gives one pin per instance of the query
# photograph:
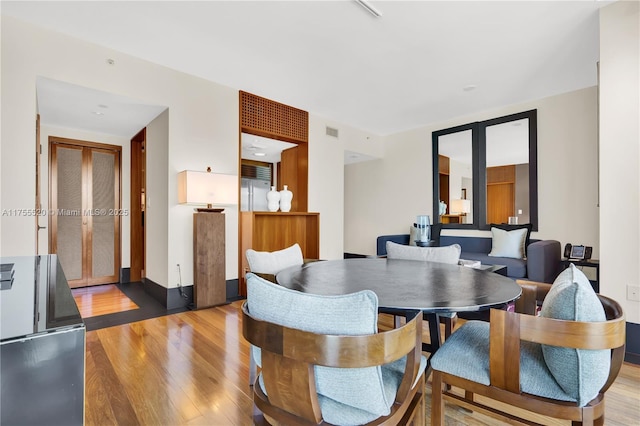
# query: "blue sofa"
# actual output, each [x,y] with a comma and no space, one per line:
[542,263]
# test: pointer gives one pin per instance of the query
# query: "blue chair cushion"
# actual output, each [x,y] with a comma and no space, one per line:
[351,314]
[337,413]
[466,354]
[580,372]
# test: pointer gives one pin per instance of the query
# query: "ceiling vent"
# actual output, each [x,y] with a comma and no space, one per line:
[332,132]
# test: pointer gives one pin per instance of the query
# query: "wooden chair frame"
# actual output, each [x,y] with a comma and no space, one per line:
[507,329]
[289,356]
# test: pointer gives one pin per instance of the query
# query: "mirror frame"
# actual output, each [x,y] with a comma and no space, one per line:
[475,155]
[479,167]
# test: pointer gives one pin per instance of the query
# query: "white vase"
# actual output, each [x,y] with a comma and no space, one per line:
[273,200]
[285,199]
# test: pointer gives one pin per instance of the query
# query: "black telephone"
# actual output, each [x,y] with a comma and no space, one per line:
[577,252]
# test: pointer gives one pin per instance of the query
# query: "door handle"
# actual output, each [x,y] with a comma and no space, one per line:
[41,227]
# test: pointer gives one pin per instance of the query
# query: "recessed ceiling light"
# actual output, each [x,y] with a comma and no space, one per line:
[259,154]
[97,113]
[469,87]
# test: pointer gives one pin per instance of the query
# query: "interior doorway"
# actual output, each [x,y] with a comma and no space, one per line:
[84,224]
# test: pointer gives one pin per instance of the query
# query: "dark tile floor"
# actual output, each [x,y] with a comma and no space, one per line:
[148,308]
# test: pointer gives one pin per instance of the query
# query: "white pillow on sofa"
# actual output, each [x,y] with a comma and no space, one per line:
[448,254]
[508,243]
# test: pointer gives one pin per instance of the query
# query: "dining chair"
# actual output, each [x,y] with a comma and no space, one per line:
[447,254]
[323,360]
[267,264]
[558,364]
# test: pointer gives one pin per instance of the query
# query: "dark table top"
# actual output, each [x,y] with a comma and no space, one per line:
[405,284]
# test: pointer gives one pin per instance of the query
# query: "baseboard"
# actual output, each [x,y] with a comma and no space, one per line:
[125,275]
[232,289]
[173,298]
[632,353]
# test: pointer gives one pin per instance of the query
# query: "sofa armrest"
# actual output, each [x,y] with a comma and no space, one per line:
[543,261]
[381,242]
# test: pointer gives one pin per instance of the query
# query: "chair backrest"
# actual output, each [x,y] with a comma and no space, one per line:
[266,262]
[448,254]
[582,334]
[305,336]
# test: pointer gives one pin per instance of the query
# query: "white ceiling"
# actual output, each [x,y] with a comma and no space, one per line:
[68,105]
[271,148]
[403,70]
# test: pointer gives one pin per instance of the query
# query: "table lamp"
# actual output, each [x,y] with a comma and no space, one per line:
[207,188]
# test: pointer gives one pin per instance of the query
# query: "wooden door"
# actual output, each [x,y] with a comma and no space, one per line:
[500,202]
[84,224]
[138,201]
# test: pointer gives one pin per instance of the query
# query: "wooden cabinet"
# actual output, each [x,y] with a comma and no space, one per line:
[209,276]
[270,231]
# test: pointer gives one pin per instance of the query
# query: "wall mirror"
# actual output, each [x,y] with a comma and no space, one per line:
[486,172]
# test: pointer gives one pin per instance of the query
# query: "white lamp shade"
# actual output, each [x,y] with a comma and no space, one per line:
[202,188]
[460,206]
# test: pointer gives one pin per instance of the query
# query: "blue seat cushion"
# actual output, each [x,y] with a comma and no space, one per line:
[337,413]
[466,354]
[351,314]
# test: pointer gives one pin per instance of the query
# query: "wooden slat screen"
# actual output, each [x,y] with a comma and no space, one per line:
[262,116]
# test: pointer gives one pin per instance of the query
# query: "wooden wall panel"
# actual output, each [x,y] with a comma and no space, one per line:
[264,117]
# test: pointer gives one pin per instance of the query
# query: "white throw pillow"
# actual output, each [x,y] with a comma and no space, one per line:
[448,254]
[508,243]
[265,262]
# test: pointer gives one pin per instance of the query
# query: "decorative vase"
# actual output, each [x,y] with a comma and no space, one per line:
[285,199]
[273,200]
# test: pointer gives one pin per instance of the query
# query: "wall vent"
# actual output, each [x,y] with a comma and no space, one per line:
[332,132]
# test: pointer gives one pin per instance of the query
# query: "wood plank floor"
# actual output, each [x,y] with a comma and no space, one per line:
[191,368]
[101,300]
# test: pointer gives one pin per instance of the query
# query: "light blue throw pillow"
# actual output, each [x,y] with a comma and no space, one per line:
[580,372]
[351,314]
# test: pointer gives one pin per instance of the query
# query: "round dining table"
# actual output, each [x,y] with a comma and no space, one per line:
[401,285]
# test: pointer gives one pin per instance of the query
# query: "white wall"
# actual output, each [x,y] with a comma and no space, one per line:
[202,123]
[385,196]
[156,199]
[620,153]
[125,175]
[326,177]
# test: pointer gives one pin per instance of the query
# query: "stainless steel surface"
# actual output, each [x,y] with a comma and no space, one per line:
[42,346]
[39,300]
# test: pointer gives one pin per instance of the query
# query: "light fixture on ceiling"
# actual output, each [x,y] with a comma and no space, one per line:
[97,113]
[372,10]
[259,154]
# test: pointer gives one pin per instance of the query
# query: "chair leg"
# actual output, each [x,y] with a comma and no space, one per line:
[252,368]
[437,402]
[449,325]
